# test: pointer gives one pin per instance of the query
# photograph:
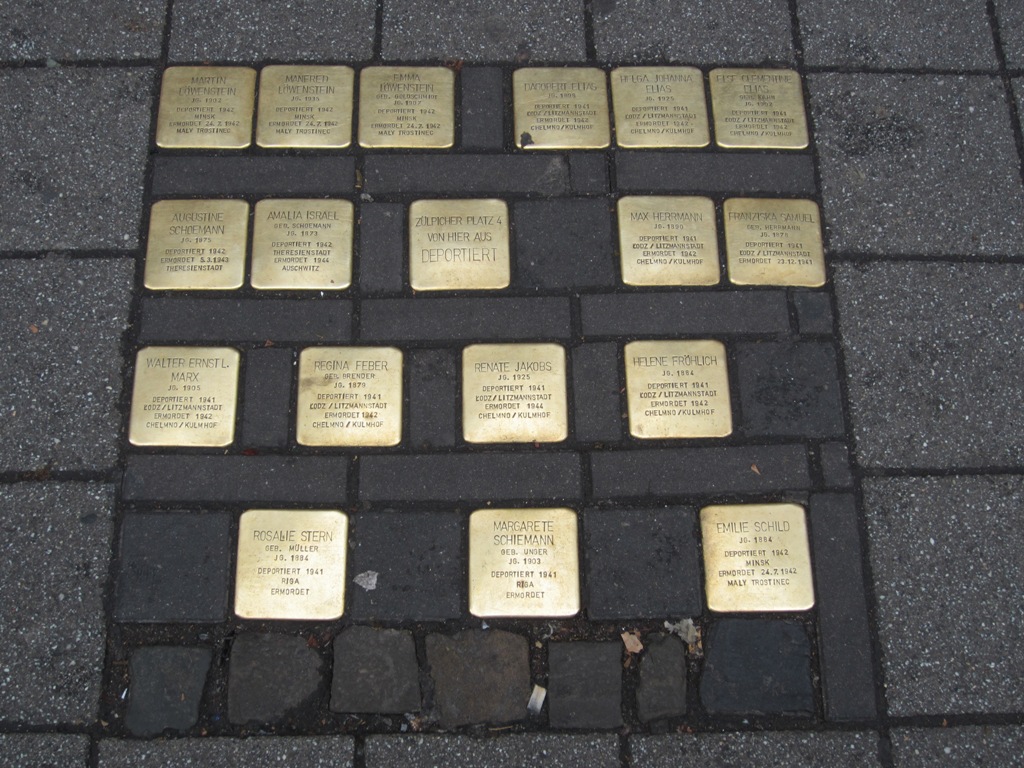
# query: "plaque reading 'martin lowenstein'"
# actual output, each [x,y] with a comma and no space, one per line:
[350,396]
[668,241]
[773,242]
[184,396]
[523,562]
[206,108]
[407,107]
[756,558]
[758,109]
[561,108]
[196,245]
[458,245]
[660,107]
[305,106]
[291,564]
[302,244]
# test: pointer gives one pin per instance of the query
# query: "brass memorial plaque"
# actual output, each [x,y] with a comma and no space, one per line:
[458,245]
[406,107]
[758,109]
[523,562]
[196,245]
[305,106]
[660,107]
[350,396]
[514,393]
[561,108]
[302,244]
[677,389]
[756,558]
[291,564]
[206,108]
[184,396]
[773,242]
[668,241]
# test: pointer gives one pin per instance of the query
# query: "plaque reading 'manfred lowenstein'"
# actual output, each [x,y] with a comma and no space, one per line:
[206,108]
[668,241]
[196,245]
[305,106]
[523,562]
[302,244]
[758,109]
[458,245]
[350,396]
[756,558]
[561,108]
[291,564]
[184,396]
[406,107]
[660,107]
[774,242]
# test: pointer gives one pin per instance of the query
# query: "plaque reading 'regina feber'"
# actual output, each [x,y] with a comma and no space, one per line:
[410,107]
[305,106]
[774,242]
[561,108]
[668,241]
[206,108]
[659,107]
[302,245]
[458,245]
[196,245]
[758,109]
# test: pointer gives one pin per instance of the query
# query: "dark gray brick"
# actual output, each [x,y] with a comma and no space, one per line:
[1011,31]
[711,174]
[44,750]
[595,378]
[758,749]
[432,381]
[443,319]
[550,750]
[269,675]
[813,312]
[588,173]
[166,685]
[957,746]
[254,175]
[835,465]
[471,175]
[584,685]
[266,411]
[375,670]
[662,689]
[382,257]
[685,312]
[564,244]
[309,752]
[483,108]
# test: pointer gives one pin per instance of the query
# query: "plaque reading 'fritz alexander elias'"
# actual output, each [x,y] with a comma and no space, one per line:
[350,396]
[406,107]
[756,558]
[668,241]
[196,245]
[291,564]
[660,107]
[523,562]
[677,389]
[458,245]
[302,244]
[305,106]
[184,396]
[514,393]
[774,242]
[206,108]
[758,109]
[561,108]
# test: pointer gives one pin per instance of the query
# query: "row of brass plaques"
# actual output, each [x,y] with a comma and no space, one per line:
[310,106]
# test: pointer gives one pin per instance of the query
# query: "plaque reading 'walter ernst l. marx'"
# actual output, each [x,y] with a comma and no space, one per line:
[458,245]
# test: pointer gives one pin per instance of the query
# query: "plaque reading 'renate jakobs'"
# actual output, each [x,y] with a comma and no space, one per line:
[758,109]
[305,106]
[756,558]
[561,108]
[196,245]
[407,107]
[458,245]
[206,108]
[350,396]
[668,241]
[660,107]
[774,242]
[523,562]
[302,244]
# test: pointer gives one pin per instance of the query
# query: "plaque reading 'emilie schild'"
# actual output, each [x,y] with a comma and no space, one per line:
[206,108]
[758,109]
[407,107]
[660,107]
[196,245]
[561,108]
[458,245]
[774,242]
[302,244]
[668,241]
[305,106]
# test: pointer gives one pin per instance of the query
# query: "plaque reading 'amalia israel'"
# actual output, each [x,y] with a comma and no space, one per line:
[305,106]
[659,107]
[206,108]
[406,107]
[668,241]
[302,244]
[774,242]
[561,108]
[458,245]
[758,109]
[196,245]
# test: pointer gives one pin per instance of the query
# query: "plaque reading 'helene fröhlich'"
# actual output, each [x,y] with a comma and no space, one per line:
[561,108]
[302,244]
[458,245]
[196,245]
[660,107]
[406,107]
[305,106]
[774,242]
[206,108]
[668,241]
[758,109]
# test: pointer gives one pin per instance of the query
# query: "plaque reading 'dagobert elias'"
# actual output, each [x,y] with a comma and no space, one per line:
[196,245]
[206,108]
[774,242]
[291,564]
[350,396]
[406,107]
[305,106]
[758,109]
[514,393]
[561,108]
[302,244]
[756,558]
[668,241]
[677,389]
[660,107]
[458,245]
[523,562]
[184,396]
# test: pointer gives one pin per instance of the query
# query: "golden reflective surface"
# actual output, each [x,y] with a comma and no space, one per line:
[196,245]
[659,107]
[206,108]
[458,245]
[305,106]
[406,107]
[773,242]
[302,244]
[668,241]
[560,108]
[758,109]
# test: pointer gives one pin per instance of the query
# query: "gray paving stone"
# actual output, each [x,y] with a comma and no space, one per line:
[521,751]
[465,319]
[713,173]
[1011,29]
[585,685]
[945,557]
[166,685]
[564,244]
[662,689]
[761,749]
[960,746]
[483,108]
[175,319]
[595,390]
[270,175]
[933,363]
[914,164]
[476,175]
[54,559]
[308,752]
[813,312]
[44,750]
[269,675]
[75,144]
[61,345]
[684,312]
[835,465]
[266,411]
[375,670]
[433,376]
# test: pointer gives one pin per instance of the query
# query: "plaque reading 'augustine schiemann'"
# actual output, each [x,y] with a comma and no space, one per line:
[302,244]
[458,245]
[206,108]
[305,106]
[561,108]
[407,107]
[668,241]
[196,245]
[659,107]
[758,109]
[774,242]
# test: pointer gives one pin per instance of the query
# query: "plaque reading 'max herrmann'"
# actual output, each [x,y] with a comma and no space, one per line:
[774,242]
[305,106]
[206,108]
[523,562]
[196,245]
[758,109]
[668,241]
[302,244]
[406,107]
[561,108]
[660,107]
[458,245]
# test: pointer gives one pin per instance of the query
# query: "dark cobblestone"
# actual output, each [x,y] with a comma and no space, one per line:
[254,175]
[442,319]
[662,689]
[685,312]
[596,392]
[375,670]
[714,174]
[433,384]
[813,312]
[269,675]
[166,685]
[564,244]
[467,175]
[585,685]
[382,257]
[483,108]
[266,414]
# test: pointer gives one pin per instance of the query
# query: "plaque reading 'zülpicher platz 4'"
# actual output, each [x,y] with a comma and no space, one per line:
[523,562]
[668,241]
[758,109]
[305,106]
[774,242]
[411,107]
[196,245]
[659,107]
[206,108]
[561,108]
[302,245]
[458,245]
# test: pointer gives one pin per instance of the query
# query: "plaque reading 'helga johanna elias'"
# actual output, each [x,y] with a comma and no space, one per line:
[302,244]
[196,245]
[560,108]
[758,109]
[659,107]
[458,245]
[668,241]
[305,106]
[407,107]
[206,108]
[774,242]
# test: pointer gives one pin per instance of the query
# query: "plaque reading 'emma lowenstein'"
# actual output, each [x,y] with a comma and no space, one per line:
[774,242]
[184,396]
[561,108]
[659,107]
[458,245]
[668,241]
[758,109]
[406,107]
[305,106]
[523,562]
[302,244]
[196,245]
[206,108]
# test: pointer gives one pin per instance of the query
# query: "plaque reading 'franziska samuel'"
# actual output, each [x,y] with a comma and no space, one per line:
[206,108]
[305,106]
[668,241]
[302,245]
[659,107]
[458,245]
[560,108]
[410,107]
[774,242]
[196,245]
[758,109]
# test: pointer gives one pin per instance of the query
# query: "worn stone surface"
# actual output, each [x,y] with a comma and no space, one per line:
[957,746]
[760,749]
[166,686]
[44,750]
[375,671]
[1011,30]
[531,750]
[662,689]
[309,752]
[563,244]
[268,675]
[585,685]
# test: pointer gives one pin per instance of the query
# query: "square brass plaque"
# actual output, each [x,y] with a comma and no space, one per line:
[756,558]
[350,396]
[668,241]
[773,242]
[660,107]
[523,562]
[561,108]
[458,245]
[302,244]
[677,389]
[406,107]
[758,109]
[206,108]
[305,106]
[291,564]
[196,245]
[184,396]
[514,393]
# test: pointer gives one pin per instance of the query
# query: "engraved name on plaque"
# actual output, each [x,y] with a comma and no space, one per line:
[406,107]
[660,107]
[350,396]
[184,396]
[291,564]
[668,241]
[305,106]
[458,245]
[561,108]
[302,245]
[756,558]
[196,245]
[774,242]
[523,562]
[758,109]
[206,108]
